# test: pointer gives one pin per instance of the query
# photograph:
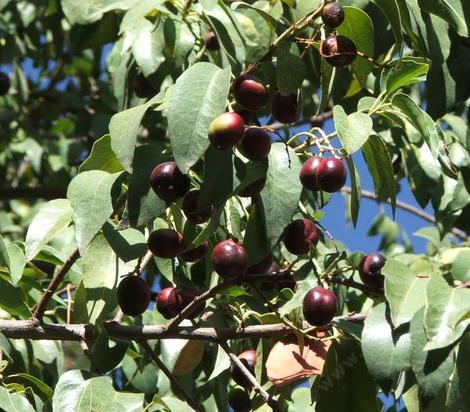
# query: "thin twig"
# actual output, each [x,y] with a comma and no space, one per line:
[198,300]
[460,234]
[257,387]
[179,389]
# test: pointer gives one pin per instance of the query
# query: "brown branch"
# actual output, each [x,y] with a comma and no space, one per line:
[198,300]
[30,329]
[314,121]
[60,275]
[244,370]
[179,389]
[54,284]
[460,234]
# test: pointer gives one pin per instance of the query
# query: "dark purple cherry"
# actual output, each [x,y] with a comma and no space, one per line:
[370,270]
[248,358]
[331,174]
[253,188]
[133,295]
[332,15]
[184,296]
[142,87]
[229,259]
[4,84]
[168,182]
[284,107]
[250,93]
[196,253]
[192,211]
[338,50]
[165,243]
[300,235]
[319,306]
[308,174]
[239,400]
[226,130]
[211,41]
[255,144]
[262,267]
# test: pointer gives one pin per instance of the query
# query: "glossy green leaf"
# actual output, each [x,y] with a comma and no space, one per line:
[358,27]
[353,130]
[392,11]
[446,313]
[380,167]
[76,393]
[431,368]
[267,17]
[355,202]
[89,11]
[281,193]
[404,72]
[51,218]
[14,402]
[346,384]
[90,194]
[455,12]
[143,205]
[290,69]
[461,266]
[386,352]
[123,129]
[404,291]
[4,257]
[458,395]
[128,244]
[200,94]
[102,157]
[102,271]
[17,262]
[255,241]
[148,49]
[43,387]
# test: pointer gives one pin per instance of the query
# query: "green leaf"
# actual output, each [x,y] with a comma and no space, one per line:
[420,120]
[200,94]
[458,395]
[222,363]
[346,384]
[461,266]
[290,69]
[128,244]
[102,271]
[218,177]
[404,291]
[90,194]
[358,27]
[296,302]
[455,12]
[17,262]
[255,241]
[405,72]
[281,193]
[106,354]
[89,11]
[44,388]
[148,49]
[102,157]
[391,10]
[124,127]
[431,368]
[353,130]
[14,402]
[4,257]
[327,77]
[355,190]
[53,217]
[74,393]
[380,167]
[143,205]
[386,352]
[11,300]
[445,307]
[267,17]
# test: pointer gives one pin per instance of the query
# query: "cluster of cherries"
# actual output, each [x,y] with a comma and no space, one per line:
[228,257]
